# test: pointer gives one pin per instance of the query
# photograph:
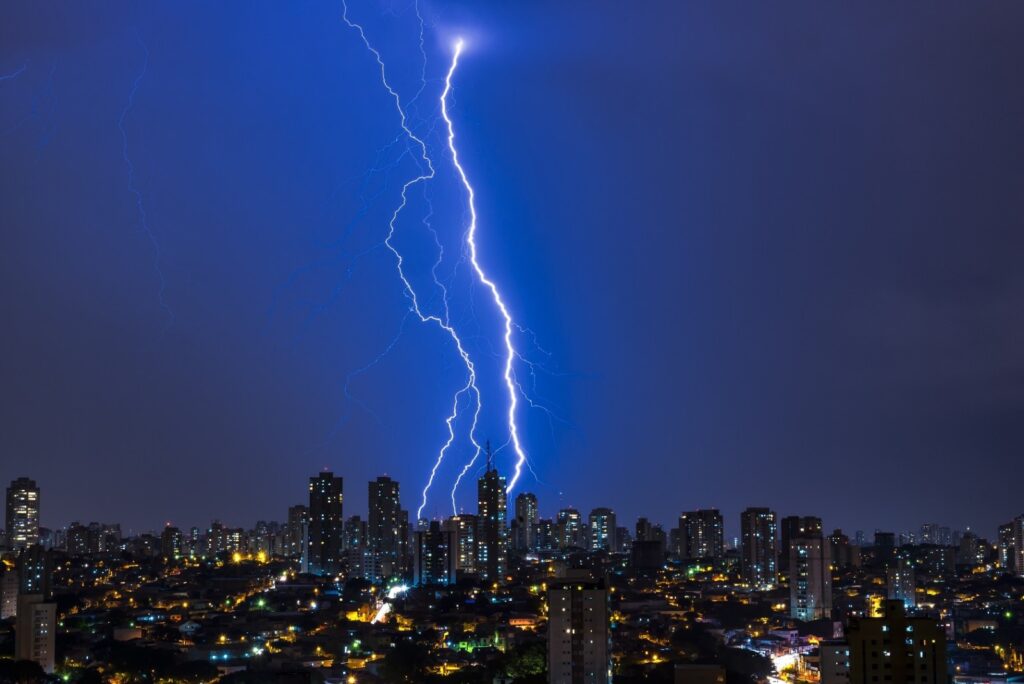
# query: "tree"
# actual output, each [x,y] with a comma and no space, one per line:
[526,663]
[21,672]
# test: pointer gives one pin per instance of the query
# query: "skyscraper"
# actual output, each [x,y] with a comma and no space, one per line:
[902,581]
[759,549]
[298,528]
[171,543]
[384,527]
[701,534]
[492,536]
[841,553]
[435,555]
[524,525]
[1018,544]
[795,526]
[569,528]
[22,514]
[326,525]
[810,578]
[579,651]
[1007,555]
[602,529]
[464,525]
[35,570]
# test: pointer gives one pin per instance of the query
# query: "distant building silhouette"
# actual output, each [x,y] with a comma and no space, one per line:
[795,526]
[701,534]
[758,547]
[326,526]
[524,524]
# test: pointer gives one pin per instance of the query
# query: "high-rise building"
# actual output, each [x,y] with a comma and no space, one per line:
[1018,544]
[834,662]
[524,524]
[569,529]
[643,529]
[492,535]
[297,531]
[8,592]
[896,648]
[464,526]
[78,540]
[356,534]
[22,514]
[603,529]
[579,642]
[547,535]
[35,570]
[36,631]
[884,548]
[435,555]
[902,581]
[932,533]
[171,543]
[384,529]
[795,526]
[701,534]
[326,525]
[758,547]
[842,554]
[1006,549]
[810,578]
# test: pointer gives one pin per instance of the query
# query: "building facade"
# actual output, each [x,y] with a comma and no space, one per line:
[810,578]
[464,526]
[896,648]
[435,555]
[602,530]
[326,524]
[579,649]
[384,527]
[758,547]
[793,526]
[492,532]
[36,635]
[701,535]
[22,514]
[524,524]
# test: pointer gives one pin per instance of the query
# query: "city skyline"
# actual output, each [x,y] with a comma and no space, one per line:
[721,532]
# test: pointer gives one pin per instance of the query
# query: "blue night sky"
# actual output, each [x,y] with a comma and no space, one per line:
[763,254]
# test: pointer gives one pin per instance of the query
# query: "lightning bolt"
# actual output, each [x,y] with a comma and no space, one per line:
[139,207]
[510,352]
[410,291]
[14,74]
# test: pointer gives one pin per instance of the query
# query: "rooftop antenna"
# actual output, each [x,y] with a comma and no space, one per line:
[490,456]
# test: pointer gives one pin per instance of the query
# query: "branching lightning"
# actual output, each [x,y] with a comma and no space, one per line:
[510,351]
[426,172]
[410,291]
[139,207]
